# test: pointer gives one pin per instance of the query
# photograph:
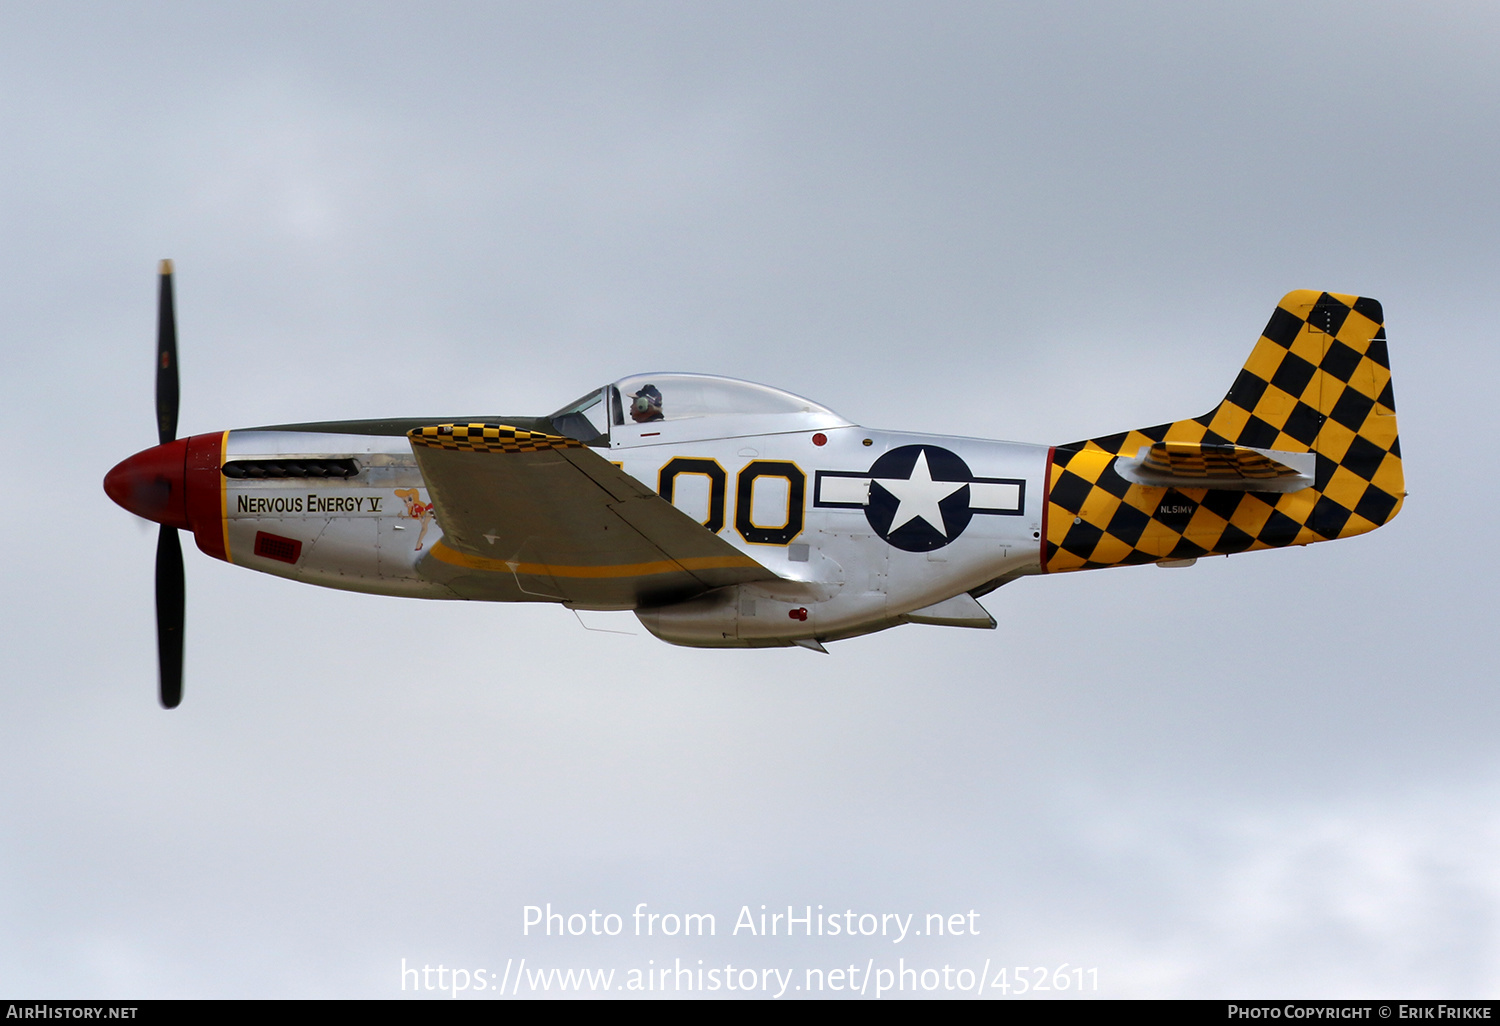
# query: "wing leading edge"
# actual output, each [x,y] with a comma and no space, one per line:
[543,516]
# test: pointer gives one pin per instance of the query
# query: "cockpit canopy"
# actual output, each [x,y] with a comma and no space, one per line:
[737,407]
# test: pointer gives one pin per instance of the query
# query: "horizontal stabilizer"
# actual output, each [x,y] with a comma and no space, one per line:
[959,611]
[1219,466]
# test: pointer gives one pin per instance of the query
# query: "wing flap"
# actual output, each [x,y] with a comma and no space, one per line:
[552,518]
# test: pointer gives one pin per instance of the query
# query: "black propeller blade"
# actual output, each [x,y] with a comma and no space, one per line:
[166,359]
[170,586]
[170,599]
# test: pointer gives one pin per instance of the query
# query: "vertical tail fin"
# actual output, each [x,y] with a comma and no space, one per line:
[1317,381]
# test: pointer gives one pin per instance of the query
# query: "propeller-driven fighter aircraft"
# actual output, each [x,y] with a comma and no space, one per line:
[727,514]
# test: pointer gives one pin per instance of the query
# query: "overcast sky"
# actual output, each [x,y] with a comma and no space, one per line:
[1274,775]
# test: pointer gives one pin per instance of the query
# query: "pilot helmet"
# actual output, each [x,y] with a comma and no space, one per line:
[646,401]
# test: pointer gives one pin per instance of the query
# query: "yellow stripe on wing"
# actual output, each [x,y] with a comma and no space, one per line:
[453,557]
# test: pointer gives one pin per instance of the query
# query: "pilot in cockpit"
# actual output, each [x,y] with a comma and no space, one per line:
[645,405]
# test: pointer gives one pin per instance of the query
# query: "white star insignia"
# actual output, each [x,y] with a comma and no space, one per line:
[919,496]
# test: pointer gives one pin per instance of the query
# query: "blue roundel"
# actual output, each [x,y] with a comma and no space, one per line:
[919,497]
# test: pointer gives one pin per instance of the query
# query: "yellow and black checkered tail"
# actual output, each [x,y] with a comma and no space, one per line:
[1318,381]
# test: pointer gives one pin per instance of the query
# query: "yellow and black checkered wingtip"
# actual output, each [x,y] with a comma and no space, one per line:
[488,438]
[1318,381]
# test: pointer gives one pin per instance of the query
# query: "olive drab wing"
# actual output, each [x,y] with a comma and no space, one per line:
[546,510]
